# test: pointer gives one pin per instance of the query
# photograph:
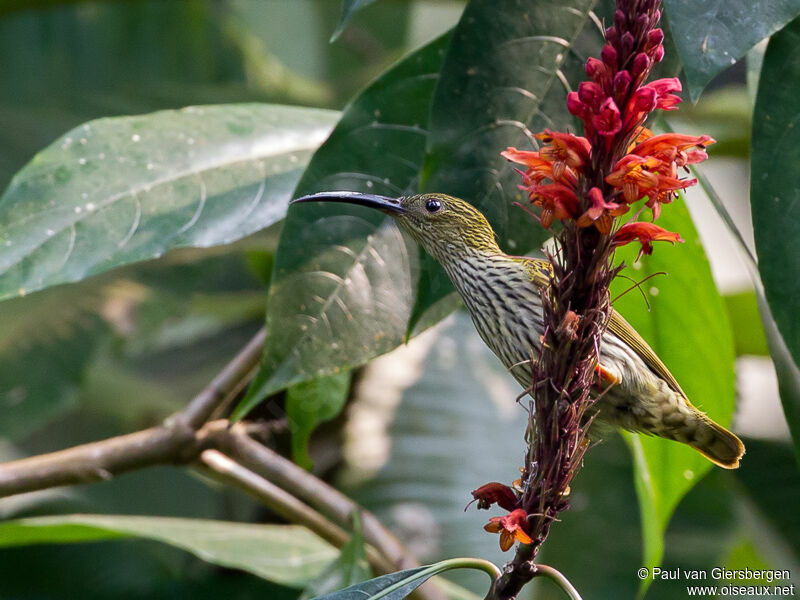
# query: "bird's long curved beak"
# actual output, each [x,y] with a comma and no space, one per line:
[382,203]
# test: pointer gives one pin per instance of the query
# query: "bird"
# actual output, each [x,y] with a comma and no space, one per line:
[503,296]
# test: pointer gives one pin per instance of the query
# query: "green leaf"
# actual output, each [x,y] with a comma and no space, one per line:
[396,586]
[785,368]
[342,288]
[774,191]
[506,74]
[748,332]
[772,482]
[349,8]
[694,340]
[310,403]
[349,569]
[285,554]
[711,36]
[121,190]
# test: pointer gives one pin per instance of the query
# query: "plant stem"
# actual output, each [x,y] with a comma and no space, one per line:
[559,579]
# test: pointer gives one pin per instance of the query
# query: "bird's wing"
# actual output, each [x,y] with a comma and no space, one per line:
[539,270]
[625,331]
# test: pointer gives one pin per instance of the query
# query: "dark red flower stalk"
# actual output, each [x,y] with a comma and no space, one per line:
[587,183]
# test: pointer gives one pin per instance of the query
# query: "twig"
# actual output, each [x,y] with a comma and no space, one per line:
[98,461]
[229,378]
[288,506]
[283,503]
[302,484]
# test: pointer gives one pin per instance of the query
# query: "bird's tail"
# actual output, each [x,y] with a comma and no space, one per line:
[690,426]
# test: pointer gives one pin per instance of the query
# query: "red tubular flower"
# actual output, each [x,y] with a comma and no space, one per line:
[619,161]
[557,200]
[512,527]
[607,121]
[646,234]
[635,176]
[600,212]
[564,150]
[665,99]
[495,493]
[538,170]
[640,176]
[673,147]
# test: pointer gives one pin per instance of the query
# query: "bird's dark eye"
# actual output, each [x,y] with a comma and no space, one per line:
[433,205]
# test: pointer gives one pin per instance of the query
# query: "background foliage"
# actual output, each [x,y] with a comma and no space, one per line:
[178,216]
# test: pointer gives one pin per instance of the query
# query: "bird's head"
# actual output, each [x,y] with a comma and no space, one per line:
[447,227]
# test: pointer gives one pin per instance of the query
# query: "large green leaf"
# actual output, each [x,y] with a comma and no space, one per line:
[785,368]
[285,554]
[748,332]
[772,482]
[713,35]
[349,569]
[342,288]
[687,326]
[116,191]
[398,585]
[506,74]
[310,403]
[775,193]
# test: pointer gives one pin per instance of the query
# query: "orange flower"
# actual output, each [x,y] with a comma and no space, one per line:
[639,176]
[673,147]
[538,170]
[646,234]
[634,176]
[558,201]
[511,528]
[600,212]
[564,150]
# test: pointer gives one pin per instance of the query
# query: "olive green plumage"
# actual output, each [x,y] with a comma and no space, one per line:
[502,294]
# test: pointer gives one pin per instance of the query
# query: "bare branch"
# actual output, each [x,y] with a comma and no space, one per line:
[299,482]
[103,460]
[98,461]
[283,503]
[227,380]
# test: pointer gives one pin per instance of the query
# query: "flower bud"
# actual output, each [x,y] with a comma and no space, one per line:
[626,43]
[654,38]
[597,70]
[575,106]
[619,20]
[622,82]
[609,56]
[591,94]
[641,66]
